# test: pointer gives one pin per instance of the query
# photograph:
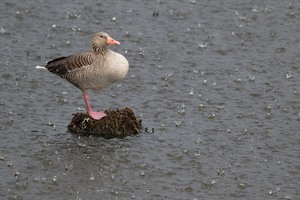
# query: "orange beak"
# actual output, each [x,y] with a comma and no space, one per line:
[110,41]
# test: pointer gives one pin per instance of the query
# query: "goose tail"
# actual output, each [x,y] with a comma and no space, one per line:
[40,67]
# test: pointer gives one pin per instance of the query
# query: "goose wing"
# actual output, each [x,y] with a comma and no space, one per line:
[64,65]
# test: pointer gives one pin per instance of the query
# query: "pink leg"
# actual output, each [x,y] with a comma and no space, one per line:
[93,114]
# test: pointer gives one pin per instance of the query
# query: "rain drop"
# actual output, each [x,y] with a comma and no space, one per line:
[132,75]
[200,106]
[181,110]
[242,186]
[53,26]
[2,30]
[9,163]
[178,123]
[142,173]
[289,75]
[92,177]
[2,158]
[155,14]
[288,197]
[201,45]
[221,172]
[211,116]
[251,77]
[270,192]
[17,174]
[155,88]
[192,91]
[198,140]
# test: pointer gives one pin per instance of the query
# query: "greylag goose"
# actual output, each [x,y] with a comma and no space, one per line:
[96,69]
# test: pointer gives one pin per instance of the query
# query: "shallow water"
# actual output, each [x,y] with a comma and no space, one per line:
[218,82]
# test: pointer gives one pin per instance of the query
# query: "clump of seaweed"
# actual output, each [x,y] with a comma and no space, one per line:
[116,124]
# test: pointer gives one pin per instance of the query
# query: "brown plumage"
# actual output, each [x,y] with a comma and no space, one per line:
[94,69]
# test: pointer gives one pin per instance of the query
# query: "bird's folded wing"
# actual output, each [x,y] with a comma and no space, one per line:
[64,65]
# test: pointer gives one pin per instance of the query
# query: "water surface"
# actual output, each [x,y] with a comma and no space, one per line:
[218,82]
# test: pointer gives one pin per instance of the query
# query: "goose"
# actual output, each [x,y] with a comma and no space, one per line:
[91,70]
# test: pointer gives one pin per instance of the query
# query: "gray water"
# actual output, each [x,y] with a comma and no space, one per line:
[217,80]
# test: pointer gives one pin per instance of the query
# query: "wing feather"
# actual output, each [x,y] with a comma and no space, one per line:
[64,65]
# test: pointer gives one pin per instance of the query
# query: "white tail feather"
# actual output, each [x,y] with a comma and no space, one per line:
[40,67]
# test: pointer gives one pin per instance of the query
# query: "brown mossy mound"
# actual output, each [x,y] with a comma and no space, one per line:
[116,124]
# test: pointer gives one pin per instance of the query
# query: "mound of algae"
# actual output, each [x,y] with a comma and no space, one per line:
[116,124]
